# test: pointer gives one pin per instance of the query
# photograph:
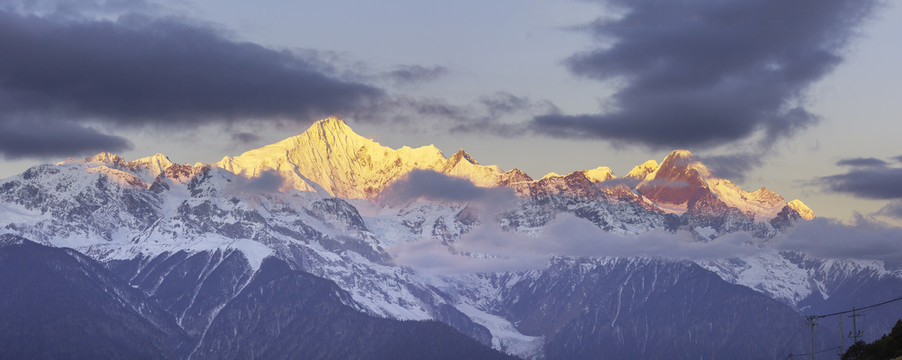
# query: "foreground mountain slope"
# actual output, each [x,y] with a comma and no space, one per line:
[285,314]
[57,303]
[639,308]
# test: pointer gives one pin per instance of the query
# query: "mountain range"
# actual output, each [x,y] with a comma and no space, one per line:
[330,245]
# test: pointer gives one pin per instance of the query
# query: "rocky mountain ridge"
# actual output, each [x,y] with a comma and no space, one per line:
[332,159]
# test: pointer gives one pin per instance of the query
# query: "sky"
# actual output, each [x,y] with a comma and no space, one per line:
[802,97]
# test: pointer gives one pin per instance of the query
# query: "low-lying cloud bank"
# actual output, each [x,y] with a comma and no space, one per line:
[488,248]
[431,185]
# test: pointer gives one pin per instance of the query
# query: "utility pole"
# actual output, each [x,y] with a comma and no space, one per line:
[842,338]
[811,323]
[854,324]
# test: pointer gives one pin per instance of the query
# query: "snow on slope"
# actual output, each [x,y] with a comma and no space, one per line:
[331,155]
[673,184]
[804,211]
[640,172]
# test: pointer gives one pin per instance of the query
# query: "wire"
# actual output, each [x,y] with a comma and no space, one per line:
[856,309]
[794,338]
[817,352]
[812,317]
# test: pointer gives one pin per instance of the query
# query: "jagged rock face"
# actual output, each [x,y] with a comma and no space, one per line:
[575,185]
[676,181]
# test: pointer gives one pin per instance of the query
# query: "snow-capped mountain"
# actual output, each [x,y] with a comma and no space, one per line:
[332,158]
[196,240]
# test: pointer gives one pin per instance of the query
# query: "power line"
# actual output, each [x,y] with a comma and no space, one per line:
[814,353]
[857,309]
[794,338]
[809,320]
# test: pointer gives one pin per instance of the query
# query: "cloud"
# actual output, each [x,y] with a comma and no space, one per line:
[140,70]
[493,249]
[700,74]
[733,166]
[411,74]
[34,137]
[267,181]
[866,182]
[862,162]
[489,249]
[245,137]
[892,209]
[831,239]
[431,185]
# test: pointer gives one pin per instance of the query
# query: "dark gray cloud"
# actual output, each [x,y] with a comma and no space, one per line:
[892,209]
[866,182]
[30,137]
[139,70]
[698,73]
[732,166]
[828,238]
[411,74]
[898,158]
[862,162]
[245,137]
[486,115]
[432,185]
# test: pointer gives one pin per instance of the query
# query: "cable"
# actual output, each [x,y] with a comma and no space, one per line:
[817,352]
[794,338]
[857,309]
[812,317]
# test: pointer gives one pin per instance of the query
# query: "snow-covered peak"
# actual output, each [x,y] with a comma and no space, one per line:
[331,158]
[156,164]
[550,175]
[675,181]
[459,156]
[761,205]
[599,174]
[640,172]
[105,158]
[681,176]
[804,211]
[683,161]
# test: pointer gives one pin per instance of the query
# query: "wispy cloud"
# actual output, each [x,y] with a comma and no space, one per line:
[488,248]
[862,162]
[831,239]
[412,74]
